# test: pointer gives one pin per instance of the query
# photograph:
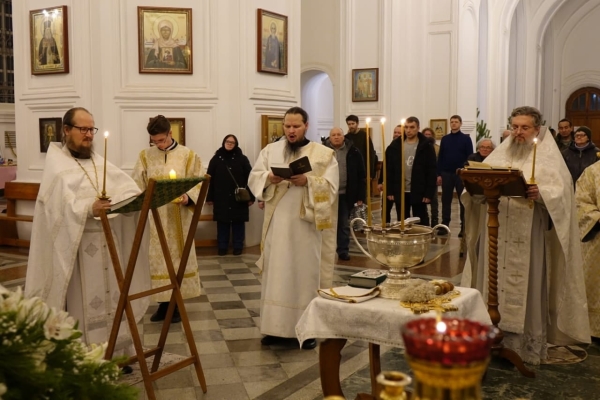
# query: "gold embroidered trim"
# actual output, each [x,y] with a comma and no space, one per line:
[162,277]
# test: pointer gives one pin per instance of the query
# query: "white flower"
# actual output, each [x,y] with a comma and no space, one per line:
[3,388]
[59,325]
[32,310]
[95,355]
[9,301]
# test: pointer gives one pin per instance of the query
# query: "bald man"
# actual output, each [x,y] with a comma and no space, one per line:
[352,185]
[505,134]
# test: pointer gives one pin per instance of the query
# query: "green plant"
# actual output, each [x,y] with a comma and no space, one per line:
[42,357]
[481,128]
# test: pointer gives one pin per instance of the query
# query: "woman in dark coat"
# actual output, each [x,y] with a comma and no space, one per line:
[230,215]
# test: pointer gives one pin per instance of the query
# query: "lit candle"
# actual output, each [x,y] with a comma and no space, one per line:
[532,180]
[402,183]
[105,149]
[172,174]
[383,211]
[369,218]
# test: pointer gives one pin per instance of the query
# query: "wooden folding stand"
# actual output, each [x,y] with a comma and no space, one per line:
[168,190]
[493,184]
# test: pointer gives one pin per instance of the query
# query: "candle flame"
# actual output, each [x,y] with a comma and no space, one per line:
[105,134]
[368,120]
[172,174]
[441,327]
[383,120]
[402,121]
[535,141]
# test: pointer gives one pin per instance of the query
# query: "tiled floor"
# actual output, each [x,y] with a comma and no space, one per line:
[225,322]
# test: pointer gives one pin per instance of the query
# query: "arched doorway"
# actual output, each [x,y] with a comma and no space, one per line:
[317,100]
[583,108]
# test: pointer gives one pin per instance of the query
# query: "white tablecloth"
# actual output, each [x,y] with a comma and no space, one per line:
[379,320]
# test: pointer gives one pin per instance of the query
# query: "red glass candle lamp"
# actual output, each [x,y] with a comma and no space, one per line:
[448,356]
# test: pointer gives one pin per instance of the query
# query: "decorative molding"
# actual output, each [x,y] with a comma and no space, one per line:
[203,84]
[441,22]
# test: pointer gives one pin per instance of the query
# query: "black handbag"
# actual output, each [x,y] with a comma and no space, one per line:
[242,195]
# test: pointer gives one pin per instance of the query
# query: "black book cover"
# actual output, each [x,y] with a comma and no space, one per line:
[300,166]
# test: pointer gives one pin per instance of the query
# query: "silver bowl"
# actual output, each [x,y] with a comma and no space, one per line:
[400,250]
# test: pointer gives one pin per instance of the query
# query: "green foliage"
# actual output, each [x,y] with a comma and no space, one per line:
[481,128]
[42,357]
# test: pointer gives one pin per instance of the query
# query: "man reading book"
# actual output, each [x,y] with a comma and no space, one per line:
[297,255]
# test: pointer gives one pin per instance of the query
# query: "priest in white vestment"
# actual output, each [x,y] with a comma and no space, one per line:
[297,255]
[157,162]
[587,196]
[69,262]
[541,292]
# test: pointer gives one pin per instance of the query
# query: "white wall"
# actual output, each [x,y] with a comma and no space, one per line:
[225,94]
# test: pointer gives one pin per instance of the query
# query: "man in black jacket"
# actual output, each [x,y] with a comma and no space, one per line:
[352,187]
[359,139]
[419,170]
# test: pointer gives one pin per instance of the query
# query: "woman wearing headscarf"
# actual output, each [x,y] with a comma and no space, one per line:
[229,169]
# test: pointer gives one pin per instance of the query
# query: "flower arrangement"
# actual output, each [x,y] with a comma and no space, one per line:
[42,357]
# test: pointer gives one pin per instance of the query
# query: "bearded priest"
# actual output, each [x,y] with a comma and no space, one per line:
[541,298]
[69,263]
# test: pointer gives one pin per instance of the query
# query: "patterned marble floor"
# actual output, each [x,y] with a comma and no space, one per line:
[225,320]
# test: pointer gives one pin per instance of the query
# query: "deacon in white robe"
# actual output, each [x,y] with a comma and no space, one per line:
[157,162]
[541,291]
[69,262]
[296,255]
[587,196]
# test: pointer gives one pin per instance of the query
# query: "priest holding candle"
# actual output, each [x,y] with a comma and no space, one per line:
[69,266]
[541,291]
[167,159]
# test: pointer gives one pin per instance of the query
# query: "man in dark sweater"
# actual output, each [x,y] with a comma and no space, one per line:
[565,136]
[455,148]
[359,139]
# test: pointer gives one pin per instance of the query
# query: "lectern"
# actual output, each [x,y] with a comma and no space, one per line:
[493,184]
[157,194]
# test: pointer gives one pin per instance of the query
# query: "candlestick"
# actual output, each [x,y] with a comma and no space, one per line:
[532,180]
[384,203]
[402,183]
[103,196]
[172,174]
[369,217]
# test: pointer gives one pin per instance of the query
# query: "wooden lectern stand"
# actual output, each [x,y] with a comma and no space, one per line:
[493,184]
[157,194]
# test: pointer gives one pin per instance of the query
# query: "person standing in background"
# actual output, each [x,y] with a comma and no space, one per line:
[229,169]
[455,148]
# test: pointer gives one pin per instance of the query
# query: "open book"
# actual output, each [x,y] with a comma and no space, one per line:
[481,165]
[514,186]
[300,166]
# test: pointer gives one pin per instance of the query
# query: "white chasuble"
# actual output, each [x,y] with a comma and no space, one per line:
[175,218]
[588,211]
[292,247]
[69,263]
[541,290]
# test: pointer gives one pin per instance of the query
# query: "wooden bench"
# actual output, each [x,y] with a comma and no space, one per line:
[13,192]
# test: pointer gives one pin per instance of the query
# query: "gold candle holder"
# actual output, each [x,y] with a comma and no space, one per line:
[103,195]
[393,385]
[402,180]
[369,216]
[384,194]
